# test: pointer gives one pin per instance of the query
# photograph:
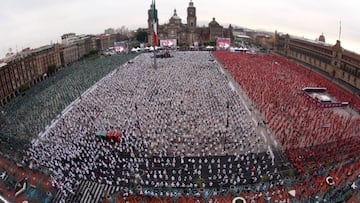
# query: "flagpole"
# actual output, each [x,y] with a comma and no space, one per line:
[154,57]
[154,31]
[340,31]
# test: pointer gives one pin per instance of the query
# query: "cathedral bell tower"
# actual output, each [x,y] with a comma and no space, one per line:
[191,23]
[191,16]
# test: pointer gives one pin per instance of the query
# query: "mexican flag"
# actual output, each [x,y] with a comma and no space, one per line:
[155,20]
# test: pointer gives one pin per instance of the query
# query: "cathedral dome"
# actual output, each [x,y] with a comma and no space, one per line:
[322,38]
[214,23]
[175,16]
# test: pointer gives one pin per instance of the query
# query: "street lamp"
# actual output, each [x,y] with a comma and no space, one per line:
[227,122]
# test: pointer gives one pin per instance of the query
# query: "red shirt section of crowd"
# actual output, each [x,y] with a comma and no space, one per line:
[320,142]
[19,184]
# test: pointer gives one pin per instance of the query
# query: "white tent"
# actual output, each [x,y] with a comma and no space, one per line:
[292,193]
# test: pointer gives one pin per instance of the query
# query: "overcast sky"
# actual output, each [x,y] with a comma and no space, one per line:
[32,23]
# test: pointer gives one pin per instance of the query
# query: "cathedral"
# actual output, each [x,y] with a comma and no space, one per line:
[189,33]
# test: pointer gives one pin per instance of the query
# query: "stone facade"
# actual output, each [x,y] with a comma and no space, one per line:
[32,65]
[336,61]
[20,70]
[46,56]
[104,41]
[188,33]
[69,54]
[26,69]
[81,47]
[84,43]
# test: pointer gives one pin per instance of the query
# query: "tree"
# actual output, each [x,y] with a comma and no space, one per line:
[123,30]
[121,37]
[141,35]
[24,87]
[51,68]
[92,53]
[182,44]
[210,43]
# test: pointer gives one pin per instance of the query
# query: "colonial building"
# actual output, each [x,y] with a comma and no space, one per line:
[104,41]
[46,56]
[336,61]
[187,33]
[18,70]
[25,69]
[83,43]
[69,54]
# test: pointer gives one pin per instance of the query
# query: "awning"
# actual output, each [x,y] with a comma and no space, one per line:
[101,133]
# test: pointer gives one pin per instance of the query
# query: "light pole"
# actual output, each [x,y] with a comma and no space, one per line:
[227,123]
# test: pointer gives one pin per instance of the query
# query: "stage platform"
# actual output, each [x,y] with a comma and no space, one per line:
[320,97]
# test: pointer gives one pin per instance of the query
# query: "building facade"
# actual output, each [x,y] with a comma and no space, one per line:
[18,71]
[84,43]
[24,69]
[187,34]
[88,43]
[28,67]
[46,56]
[69,54]
[336,61]
[105,41]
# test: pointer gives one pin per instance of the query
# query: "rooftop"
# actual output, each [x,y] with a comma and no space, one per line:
[175,16]
[36,50]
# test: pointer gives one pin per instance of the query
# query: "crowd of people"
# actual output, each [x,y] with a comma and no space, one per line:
[13,178]
[181,125]
[28,114]
[278,195]
[319,141]
[184,125]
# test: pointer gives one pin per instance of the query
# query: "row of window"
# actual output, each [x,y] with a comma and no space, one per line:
[22,72]
[347,68]
[350,60]
[311,54]
[318,49]
[352,70]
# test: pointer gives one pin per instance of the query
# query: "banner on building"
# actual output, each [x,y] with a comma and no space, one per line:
[223,43]
[168,43]
[121,47]
[196,45]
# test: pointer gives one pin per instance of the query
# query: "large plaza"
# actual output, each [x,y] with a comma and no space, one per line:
[197,127]
[180,122]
